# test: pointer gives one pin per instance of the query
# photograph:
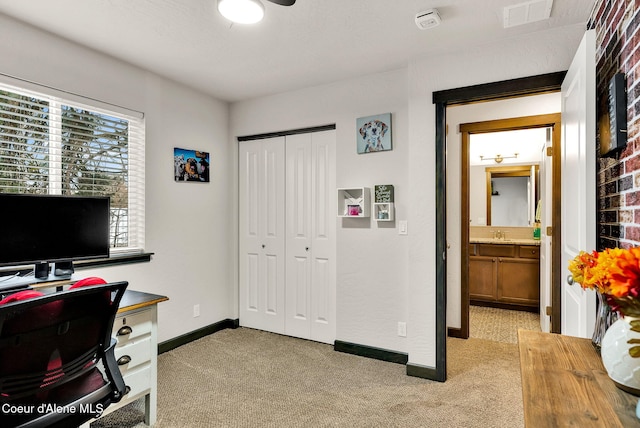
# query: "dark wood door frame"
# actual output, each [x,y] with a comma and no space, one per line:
[491,91]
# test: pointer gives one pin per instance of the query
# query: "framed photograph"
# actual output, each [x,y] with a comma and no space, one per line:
[374,133]
[190,165]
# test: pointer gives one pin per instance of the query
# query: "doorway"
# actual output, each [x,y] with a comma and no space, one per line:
[545,251]
[492,91]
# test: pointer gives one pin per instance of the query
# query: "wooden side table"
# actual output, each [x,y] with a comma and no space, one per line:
[565,384]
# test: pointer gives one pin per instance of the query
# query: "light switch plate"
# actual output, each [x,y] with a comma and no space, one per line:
[402,227]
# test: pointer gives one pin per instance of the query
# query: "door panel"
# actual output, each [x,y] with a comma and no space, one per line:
[578,183]
[261,234]
[310,288]
[323,268]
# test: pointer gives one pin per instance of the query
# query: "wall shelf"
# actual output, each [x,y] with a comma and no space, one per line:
[354,202]
[383,211]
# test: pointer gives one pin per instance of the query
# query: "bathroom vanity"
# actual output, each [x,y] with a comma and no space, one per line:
[505,273]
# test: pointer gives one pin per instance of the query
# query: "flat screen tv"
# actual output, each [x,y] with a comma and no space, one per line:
[39,229]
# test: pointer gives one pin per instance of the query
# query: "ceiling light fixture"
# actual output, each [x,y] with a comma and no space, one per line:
[499,158]
[241,11]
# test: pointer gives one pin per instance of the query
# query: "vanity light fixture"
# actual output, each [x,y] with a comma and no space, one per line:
[241,11]
[498,158]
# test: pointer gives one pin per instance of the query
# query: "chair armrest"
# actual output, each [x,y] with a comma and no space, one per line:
[113,371]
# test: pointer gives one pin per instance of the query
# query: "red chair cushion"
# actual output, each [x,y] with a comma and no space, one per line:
[21,295]
[92,280]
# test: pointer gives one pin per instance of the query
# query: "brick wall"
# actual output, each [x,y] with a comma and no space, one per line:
[617,24]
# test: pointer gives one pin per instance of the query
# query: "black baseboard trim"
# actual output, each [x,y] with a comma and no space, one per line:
[423,372]
[371,352]
[197,334]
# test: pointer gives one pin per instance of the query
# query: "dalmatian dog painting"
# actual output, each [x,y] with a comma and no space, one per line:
[190,165]
[374,133]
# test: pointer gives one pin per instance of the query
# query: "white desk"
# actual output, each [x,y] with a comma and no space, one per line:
[136,330]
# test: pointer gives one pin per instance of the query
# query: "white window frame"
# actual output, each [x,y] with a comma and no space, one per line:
[136,149]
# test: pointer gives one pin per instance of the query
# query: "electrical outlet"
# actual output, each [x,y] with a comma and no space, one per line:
[196,311]
[402,329]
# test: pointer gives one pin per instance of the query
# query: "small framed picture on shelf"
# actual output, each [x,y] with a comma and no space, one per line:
[374,133]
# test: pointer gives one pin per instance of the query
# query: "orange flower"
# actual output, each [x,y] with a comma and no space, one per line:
[625,274]
[613,272]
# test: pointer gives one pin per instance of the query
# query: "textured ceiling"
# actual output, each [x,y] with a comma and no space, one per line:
[310,43]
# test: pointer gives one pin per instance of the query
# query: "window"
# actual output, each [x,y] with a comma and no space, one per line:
[57,146]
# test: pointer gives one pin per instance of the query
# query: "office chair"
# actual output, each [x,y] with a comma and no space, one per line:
[57,362]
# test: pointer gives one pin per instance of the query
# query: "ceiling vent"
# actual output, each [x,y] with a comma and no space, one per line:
[428,19]
[527,12]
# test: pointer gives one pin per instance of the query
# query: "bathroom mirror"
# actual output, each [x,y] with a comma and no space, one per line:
[511,195]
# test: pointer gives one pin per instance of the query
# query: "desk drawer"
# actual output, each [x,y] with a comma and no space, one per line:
[497,250]
[138,381]
[133,354]
[129,326]
[529,252]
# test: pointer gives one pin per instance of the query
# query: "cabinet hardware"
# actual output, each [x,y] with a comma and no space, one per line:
[124,331]
[125,359]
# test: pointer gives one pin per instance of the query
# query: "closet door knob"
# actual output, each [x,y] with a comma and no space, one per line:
[306,248]
[263,245]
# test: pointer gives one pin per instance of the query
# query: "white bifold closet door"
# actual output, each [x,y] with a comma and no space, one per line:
[287,279]
[262,235]
[310,244]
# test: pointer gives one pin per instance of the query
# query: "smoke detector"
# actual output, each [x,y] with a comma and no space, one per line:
[428,19]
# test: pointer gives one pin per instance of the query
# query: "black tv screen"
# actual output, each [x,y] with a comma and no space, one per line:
[45,228]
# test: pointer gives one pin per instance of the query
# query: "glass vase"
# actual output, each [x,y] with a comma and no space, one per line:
[605,318]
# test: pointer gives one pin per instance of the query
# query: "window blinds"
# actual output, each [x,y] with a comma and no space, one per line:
[50,145]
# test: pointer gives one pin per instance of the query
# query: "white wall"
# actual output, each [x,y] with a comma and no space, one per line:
[371,256]
[477,196]
[187,224]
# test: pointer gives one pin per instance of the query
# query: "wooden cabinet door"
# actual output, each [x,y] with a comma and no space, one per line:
[482,278]
[519,281]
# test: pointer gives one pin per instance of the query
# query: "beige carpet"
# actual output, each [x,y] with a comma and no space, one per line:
[250,378]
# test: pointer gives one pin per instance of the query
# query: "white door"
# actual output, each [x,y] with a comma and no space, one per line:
[546,198]
[262,234]
[578,211]
[310,245]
